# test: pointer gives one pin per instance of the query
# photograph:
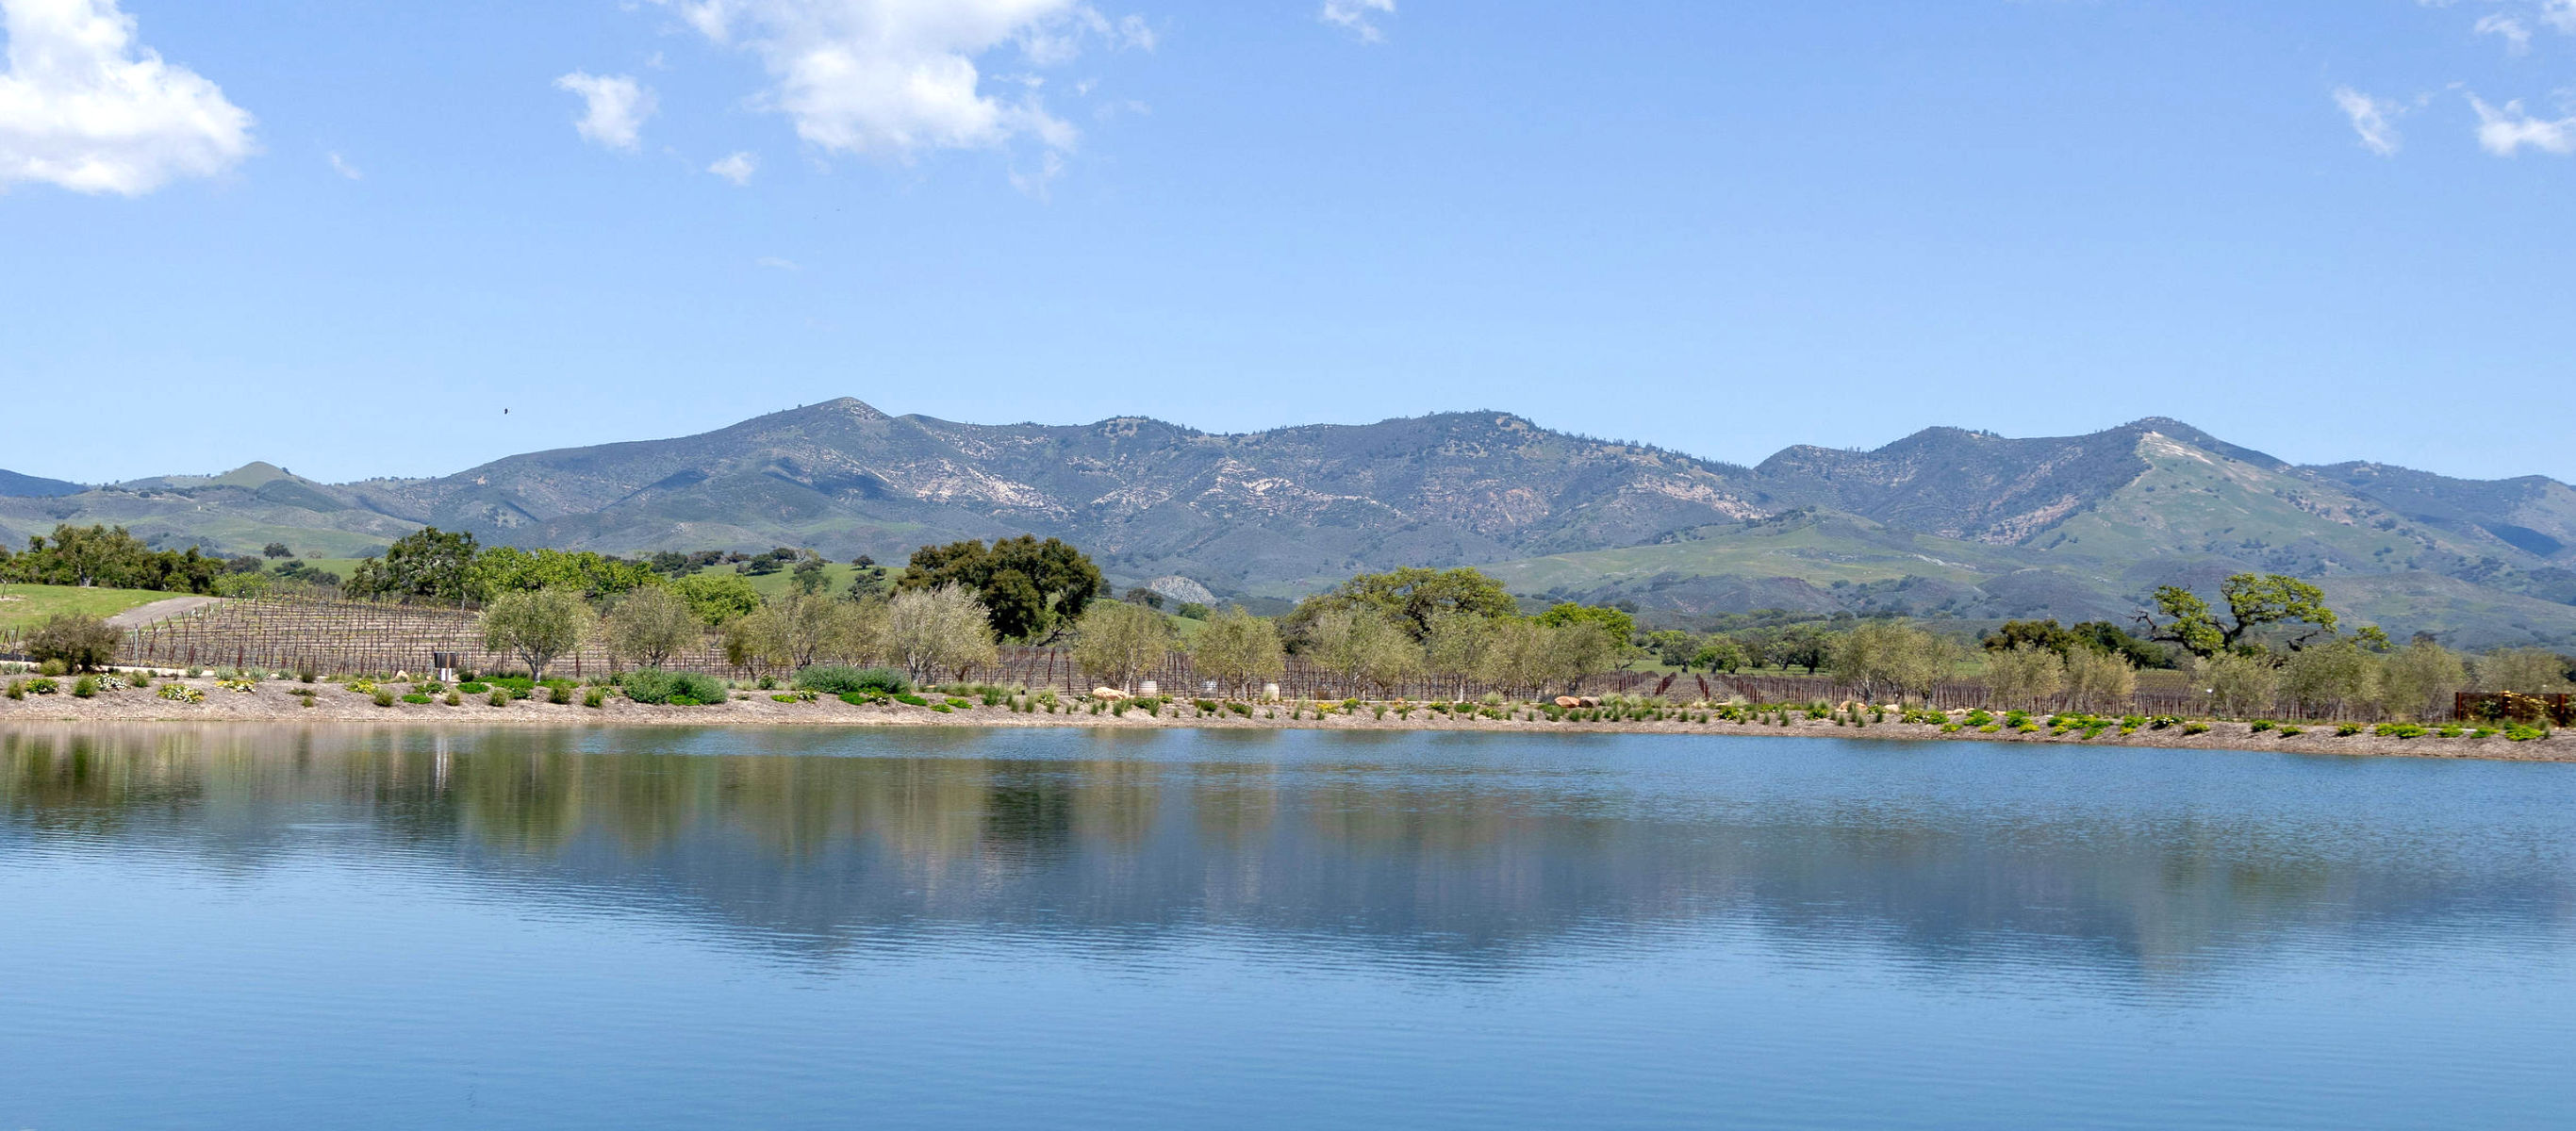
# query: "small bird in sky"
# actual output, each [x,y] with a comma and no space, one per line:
[505,412]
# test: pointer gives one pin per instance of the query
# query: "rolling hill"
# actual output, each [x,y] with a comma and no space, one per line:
[1943,522]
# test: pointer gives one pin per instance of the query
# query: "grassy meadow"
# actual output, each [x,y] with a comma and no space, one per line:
[26,606]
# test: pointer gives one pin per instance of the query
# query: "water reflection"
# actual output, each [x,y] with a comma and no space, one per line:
[1434,852]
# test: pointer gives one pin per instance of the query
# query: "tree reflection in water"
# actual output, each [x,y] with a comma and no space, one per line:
[1456,850]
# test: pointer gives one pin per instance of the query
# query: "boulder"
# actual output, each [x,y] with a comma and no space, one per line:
[1568,702]
[1109,694]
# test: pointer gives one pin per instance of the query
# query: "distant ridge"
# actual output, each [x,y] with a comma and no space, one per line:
[1946,521]
[31,486]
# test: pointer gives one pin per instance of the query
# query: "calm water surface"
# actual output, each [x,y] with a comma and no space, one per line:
[315,927]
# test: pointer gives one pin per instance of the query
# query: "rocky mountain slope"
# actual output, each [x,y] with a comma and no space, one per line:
[1943,521]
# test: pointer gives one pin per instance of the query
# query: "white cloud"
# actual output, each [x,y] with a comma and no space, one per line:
[346,169]
[2370,119]
[85,107]
[2505,131]
[736,167]
[891,78]
[2517,35]
[2560,14]
[1358,17]
[613,107]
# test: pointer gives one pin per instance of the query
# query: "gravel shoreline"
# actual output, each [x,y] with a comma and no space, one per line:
[273,703]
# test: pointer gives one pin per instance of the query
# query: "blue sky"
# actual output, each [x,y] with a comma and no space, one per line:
[344,237]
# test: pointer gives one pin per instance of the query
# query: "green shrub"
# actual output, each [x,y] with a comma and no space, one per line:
[2261,725]
[181,693]
[383,697]
[2347,730]
[453,700]
[42,686]
[471,687]
[2450,731]
[53,667]
[17,689]
[75,642]
[559,694]
[2195,728]
[500,697]
[85,688]
[519,686]
[840,679]
[594,697]
[2524,732]
[140,681]
[2287,732]
[417,699]
[2398,730]
[678,689]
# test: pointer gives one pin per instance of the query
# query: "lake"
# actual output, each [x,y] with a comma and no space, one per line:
[316,926]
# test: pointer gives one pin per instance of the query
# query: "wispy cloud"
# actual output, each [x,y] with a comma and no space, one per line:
[1358,17]
[776,264]
[83,106]
[2370,119]
[2516,34]
[345,169]
[2506,130]
[736,167]
[613,107]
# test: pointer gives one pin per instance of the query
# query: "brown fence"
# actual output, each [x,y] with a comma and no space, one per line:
[2557,710]
[335,637]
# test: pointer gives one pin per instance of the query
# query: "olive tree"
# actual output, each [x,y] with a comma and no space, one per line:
[1238,649]
[2418,681]
[2237,684]
[1521,656]
[1584,648]
[935,630]
[2024,674]
[2531,671]
[1456,645]
[2320,678]
[1888,655]
[1116,642]
[536,625]
[651,625]
[813,628]
[80,641]
[2098,680]
[757,640]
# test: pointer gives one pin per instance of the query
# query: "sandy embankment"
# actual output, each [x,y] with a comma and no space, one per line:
[277,702]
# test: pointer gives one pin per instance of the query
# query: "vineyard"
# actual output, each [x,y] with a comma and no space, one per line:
[356,637]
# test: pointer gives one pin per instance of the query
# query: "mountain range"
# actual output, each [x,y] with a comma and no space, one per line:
[1943,522]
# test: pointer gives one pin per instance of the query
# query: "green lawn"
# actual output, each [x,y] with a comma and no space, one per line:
[26,606]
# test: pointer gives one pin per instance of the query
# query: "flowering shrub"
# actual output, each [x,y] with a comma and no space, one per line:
[243,686]
[178,693]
